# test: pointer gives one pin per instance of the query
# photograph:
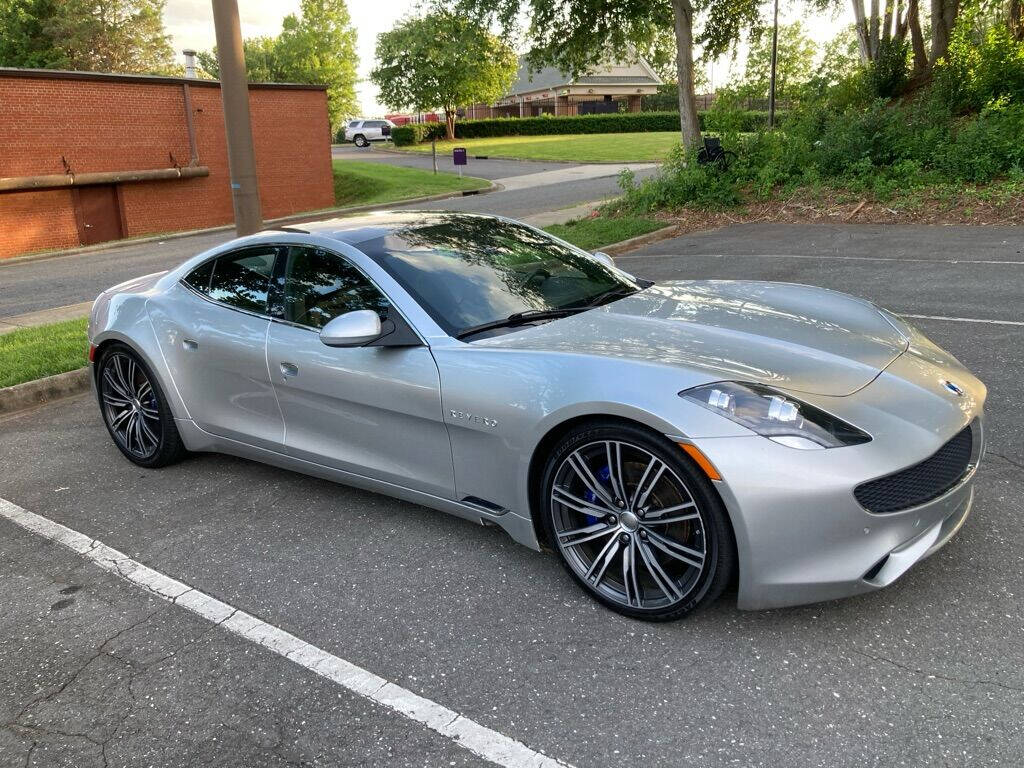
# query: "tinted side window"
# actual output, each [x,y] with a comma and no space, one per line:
[374,123]
[354,124]
[319,286]
[199,278]
[241,279]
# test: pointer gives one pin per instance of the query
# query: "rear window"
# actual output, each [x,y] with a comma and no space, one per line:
[239,279]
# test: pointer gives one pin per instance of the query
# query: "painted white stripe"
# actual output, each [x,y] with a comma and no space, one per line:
[815,257]
[468,734]
[961,319]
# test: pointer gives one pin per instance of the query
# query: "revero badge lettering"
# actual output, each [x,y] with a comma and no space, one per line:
[473,418]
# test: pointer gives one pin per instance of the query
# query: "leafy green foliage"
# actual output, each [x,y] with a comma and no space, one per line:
[317,46]
[887,74]
[875,147]
[982,67]
[90,35]
[795,62]
[260,60]
[442,59]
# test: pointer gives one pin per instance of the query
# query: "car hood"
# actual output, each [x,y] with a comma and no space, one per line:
[795,337]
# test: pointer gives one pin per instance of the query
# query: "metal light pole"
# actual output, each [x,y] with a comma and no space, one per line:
[775,59]
[245,193]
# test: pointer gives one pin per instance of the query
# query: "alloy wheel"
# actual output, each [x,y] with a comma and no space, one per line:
[628,526]
[130,405]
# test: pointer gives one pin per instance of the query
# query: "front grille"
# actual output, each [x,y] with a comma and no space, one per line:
[922,482]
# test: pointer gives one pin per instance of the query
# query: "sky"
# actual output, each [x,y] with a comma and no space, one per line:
[190,24]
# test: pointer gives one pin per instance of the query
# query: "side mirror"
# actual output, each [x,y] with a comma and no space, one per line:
[604,258]
[352,329]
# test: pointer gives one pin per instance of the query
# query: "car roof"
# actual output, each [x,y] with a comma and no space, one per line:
[358,229]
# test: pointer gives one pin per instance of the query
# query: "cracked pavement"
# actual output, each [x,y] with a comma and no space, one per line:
[95,671]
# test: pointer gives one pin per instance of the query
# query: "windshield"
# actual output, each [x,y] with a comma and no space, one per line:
[467,271]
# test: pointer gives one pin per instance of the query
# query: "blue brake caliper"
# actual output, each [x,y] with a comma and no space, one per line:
[604,476]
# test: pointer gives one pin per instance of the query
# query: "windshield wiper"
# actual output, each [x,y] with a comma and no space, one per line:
[520,318]
[618,292]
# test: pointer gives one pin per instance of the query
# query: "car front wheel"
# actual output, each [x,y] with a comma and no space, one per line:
[635,523]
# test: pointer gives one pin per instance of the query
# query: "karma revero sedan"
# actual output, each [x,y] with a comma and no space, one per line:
[665,439]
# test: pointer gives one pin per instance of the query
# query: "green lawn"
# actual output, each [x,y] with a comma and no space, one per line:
[591,234]
[578,148]
[32,353]
[361,183]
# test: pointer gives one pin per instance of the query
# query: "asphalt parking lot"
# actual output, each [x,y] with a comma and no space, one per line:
[96,671]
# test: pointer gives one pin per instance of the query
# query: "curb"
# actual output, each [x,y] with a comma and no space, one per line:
[295,218]
[32,393]
[625,246]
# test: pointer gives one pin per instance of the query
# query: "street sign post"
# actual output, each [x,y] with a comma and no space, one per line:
[459,158]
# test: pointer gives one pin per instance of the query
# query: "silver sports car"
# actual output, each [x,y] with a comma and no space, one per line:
[664,439]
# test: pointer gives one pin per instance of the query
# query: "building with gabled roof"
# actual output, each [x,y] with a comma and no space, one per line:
[551,91]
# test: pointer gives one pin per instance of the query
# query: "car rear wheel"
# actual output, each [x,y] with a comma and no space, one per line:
[135,410]
[360,141]
[635,523]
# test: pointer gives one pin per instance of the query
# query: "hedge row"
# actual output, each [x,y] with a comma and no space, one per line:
[623,122]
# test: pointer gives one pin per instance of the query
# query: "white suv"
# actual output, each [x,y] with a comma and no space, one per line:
[362,132]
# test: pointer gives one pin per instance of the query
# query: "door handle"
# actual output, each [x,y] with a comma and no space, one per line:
[190,344]
[289,369]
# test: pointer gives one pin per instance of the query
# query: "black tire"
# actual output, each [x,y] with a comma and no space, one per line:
[360,140]
[693,581]
[156,442]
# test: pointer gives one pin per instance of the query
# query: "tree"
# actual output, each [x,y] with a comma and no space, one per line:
[319,46]
[260,60]
[24,39]
[795,63]
[442,59]
[883,29]
[577,36]
[90,35]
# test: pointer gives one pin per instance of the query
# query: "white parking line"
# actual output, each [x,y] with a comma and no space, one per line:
[818,257]
[466,733]
[961,319]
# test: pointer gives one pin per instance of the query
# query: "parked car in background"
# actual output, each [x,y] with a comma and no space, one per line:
[362,132]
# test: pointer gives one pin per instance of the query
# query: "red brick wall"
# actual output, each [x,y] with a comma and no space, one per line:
[125,125]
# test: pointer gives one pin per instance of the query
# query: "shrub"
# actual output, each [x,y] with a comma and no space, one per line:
[544,125]
[887,75]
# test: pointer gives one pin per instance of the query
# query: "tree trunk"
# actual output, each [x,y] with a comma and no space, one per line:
[876,23]
[916,37]
[887,21]
[689,122]
[449,123]
[860,23]
[944,14]
[1016,19]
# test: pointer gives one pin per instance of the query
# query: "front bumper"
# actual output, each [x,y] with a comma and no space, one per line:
[801,535]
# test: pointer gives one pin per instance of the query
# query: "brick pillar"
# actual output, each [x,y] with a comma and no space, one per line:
[635,102]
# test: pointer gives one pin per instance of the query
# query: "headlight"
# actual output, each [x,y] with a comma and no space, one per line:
[775,415]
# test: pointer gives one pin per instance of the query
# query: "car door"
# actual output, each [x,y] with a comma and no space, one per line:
[213,331]
[374,411]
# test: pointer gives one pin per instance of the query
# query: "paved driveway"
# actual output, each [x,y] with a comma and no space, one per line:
[926,672]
